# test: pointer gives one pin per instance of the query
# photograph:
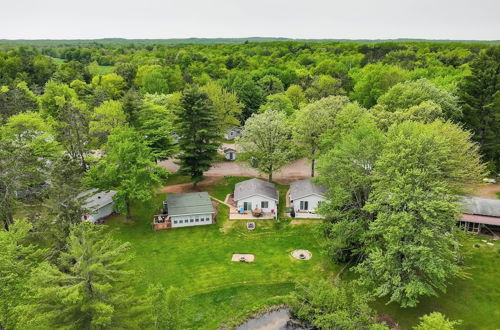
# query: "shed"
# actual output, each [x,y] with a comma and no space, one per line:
[100,204]
[230,153]
[233,132]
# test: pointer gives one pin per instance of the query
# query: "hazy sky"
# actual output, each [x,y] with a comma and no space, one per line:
[351,19]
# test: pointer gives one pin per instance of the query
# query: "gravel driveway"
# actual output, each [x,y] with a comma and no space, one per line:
[297,169]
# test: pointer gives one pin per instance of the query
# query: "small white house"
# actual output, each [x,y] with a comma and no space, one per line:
[305,196]
[230,153]
[233,133]
[99,204]
[191,209]
[255,194]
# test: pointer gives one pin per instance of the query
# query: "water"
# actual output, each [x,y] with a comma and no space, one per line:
[279,319]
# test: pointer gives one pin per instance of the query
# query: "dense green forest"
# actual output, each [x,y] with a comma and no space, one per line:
[397,131]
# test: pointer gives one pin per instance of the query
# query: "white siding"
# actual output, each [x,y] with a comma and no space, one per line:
[312,199]
[256,203]
[100,213]
[186,220]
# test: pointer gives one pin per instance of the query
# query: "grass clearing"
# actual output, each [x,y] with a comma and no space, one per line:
[197,260]
[474,300]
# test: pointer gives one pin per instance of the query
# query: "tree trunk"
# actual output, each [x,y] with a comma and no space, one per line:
[270,178]
[313,160]
[129,214]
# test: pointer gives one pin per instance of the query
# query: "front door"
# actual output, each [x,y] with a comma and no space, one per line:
[247,206]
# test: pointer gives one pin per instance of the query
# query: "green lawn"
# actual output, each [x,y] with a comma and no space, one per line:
[197,260]
[475,300]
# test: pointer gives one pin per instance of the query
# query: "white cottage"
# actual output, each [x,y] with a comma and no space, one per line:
[256,194]
[305,196]
[186,210]
[99,204]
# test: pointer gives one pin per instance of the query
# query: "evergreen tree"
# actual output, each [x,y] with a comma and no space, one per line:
[91,288]
[198,130]
[63,206]
[480,97]
[17,260]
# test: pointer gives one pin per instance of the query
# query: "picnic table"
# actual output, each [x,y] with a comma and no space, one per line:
[257,213]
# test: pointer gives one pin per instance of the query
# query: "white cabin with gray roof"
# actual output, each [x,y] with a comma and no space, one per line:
[305,196]
[185,210]
[100,204]
[256,194]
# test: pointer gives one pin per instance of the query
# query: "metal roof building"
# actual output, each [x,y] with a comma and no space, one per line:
[190,203]
[306,187]
[254,187]
[94,200]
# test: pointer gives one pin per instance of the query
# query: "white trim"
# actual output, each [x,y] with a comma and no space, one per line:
[272,198]
[313,194]
[178,215]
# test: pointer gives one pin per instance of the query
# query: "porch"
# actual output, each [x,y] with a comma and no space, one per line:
[161,222]
[235,214]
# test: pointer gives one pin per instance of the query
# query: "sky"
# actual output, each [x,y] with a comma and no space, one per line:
[312,19]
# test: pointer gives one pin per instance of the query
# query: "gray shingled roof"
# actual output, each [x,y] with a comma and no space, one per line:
[253,187]
[94,200]
[191,203]
[306,187]
[482,206]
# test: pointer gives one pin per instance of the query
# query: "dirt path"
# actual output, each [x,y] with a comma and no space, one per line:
[487,190]
[188,187]
[298,169]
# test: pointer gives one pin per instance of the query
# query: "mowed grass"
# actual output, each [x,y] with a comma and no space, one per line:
[474,300]
[218,291]
[198,261]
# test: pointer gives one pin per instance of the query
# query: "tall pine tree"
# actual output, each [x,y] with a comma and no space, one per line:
[92,287]
[480,96]
[198,130]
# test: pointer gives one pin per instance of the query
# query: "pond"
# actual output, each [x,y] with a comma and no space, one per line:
[279,319]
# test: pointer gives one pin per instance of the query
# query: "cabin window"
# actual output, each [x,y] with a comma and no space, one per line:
[192,220]
[197,220]
[304,205]
[264,204]
[175,221]
[247,206]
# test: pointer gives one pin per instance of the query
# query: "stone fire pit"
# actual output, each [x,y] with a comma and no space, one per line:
[301,254]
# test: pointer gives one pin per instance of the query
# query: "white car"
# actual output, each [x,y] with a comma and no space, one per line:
[486,180]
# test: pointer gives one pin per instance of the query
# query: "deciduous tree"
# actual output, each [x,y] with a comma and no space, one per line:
[127,168]
[310,122]
[266,141]
[334,306]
